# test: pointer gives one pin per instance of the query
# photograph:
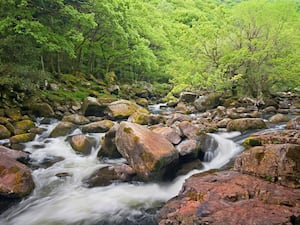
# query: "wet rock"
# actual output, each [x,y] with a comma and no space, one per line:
[246,124]
[189,130]
[41,109]
[279,118]
[277,163]
[92,107]
[273,137]
[204,103]
[169,133]
[98,127]
[62,129]
[13,154]
[208,147]
[76,119]
[22,138]
[231,198]
[187,97]
[108,144]
[188,149]
[15,178]
[82,143]
[23,126]
[46,162]
[109,174]
[142,102]
[121,109]
[186,167]
[149,154]
[293,124]
[4,132]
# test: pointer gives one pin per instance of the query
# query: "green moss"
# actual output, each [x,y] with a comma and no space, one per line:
[127,130]
[251,141]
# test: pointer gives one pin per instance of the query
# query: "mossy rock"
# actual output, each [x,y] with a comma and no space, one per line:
[24,125]
[14,114]
[97,127]
[42,109]
[251,142]
[76,119]
[62,129]
[246,124]
[4,132]
[22,138]
[4,121]
[82,144]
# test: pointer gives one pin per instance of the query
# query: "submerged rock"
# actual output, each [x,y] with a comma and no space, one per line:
[149,154]
[231,198]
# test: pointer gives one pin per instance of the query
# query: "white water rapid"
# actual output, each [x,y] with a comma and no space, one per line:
[67,200]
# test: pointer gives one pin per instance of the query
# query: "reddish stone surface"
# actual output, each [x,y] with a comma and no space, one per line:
[230,197]
[169,133]
[245,124]
[148,153]
[293,124]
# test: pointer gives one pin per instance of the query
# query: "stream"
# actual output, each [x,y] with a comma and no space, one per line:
[66,200]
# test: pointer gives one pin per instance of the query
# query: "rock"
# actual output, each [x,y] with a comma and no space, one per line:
[203,103]
[4,132]
[278,163]
[169,133]
[62,129]
[108,144]
[181,108]
[279,118]
[273,137]
[76,119]
[22,138]
[6,122]
[109,174]
[186,167]
[13,154]
[293,124]
[189,130]
[41,109]
[188,149]
[15,178]
[92,107]
[269,109]
[223,123]
[245,124]
[82,144]
[114,89]
[149,154]
[23,126]
[121,109]
[231,198]
[98,127]
[178,117]
[14,114]
[187,97]
[142,102]
[141,116]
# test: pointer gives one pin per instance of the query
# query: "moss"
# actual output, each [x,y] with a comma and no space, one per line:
[251,142]
[127,130]
[196,196]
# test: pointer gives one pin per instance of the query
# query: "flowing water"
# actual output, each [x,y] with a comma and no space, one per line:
[68,201]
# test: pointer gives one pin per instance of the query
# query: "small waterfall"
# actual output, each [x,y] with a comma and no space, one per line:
[67,201]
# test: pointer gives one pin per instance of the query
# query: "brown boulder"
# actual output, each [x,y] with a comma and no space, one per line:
[189,130]
[231,198]
[169,133]
[278,163]
[149,154]
[41,109]
[15,178]
[76,119]
[97,127]
[121,109]
[246,124]
[93,107]
[82,144]
[188,149]
[293,124]
[278,118]
[62,129]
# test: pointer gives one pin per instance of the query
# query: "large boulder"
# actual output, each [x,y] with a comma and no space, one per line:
[169,133]
[76,119]
[41,109]
[98,126]
[13,154]
[62,129]
[108,144]
[273,137]
[279,118]
[230,197]
[122,109]
[188,97]
[149,154]
[22,138]
[244,124]
[278,163]
[15,178]
[189,130]
[23,126]
[188,149]
[92,107]
[141,116]
[293,124]
[203,103]
[82,143]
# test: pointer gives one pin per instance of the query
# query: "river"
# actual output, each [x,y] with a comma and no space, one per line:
[66,200]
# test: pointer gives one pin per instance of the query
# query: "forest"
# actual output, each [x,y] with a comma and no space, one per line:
[249,47]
